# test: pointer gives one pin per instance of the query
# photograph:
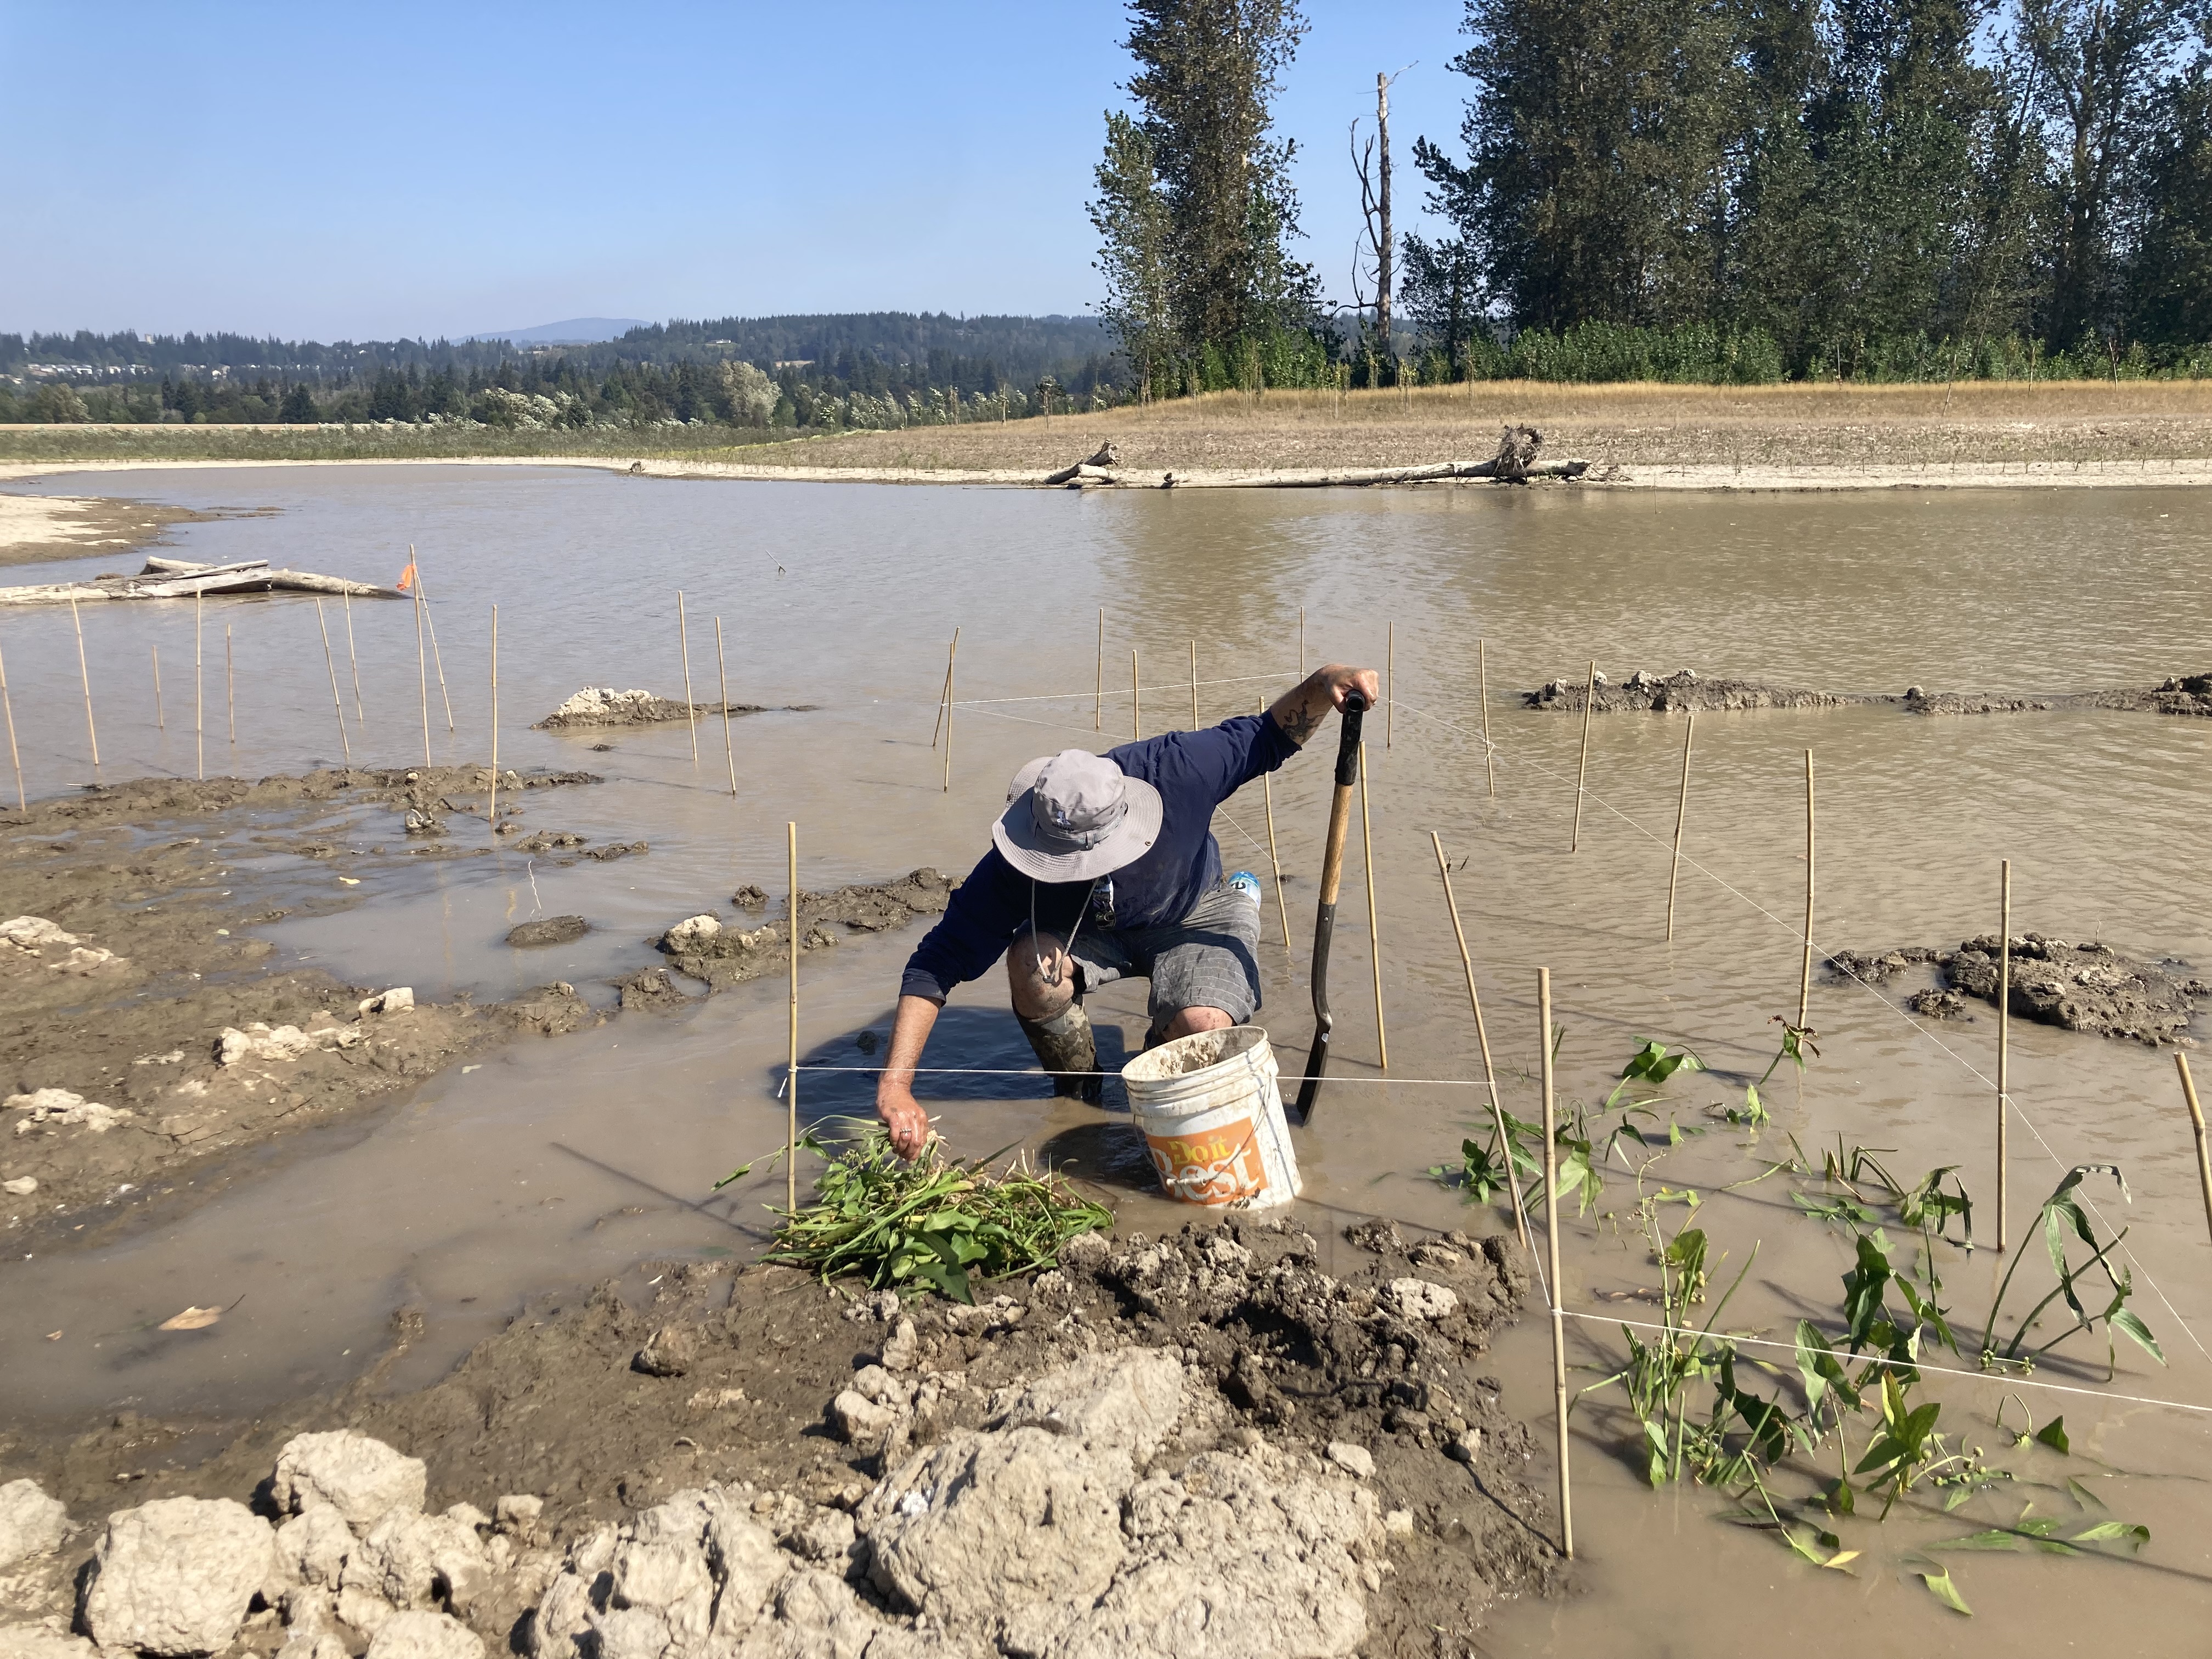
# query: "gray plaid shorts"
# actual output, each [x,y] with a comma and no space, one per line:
[1210,959]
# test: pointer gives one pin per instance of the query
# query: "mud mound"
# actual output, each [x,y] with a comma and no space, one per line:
[1919,702]
[1082,1466]
[602,705]
[2184,694]
[1683,692]
[141,799]
[703,948]
[2088,987]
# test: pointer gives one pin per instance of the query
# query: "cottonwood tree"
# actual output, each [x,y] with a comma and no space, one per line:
[1207,74]
[1136,238]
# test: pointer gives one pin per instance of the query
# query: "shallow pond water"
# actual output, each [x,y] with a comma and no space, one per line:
[557,1162]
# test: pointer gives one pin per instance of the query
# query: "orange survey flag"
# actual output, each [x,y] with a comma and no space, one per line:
[406,576]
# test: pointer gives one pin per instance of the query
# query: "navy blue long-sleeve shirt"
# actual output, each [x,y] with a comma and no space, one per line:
[1194,773]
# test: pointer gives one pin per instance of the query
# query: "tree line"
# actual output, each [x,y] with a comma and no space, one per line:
[1751,191]
[817,372]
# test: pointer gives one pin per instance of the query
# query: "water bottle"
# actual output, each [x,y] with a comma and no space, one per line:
[1246,884]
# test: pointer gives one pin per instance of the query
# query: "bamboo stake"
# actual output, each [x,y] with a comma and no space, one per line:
[1274,859]
[1489,754]
[1805,980]
[353,658]
[436,656]
[791,1074]
[491,812]
[1682,817]
[161,721]
[1136,701]
[2196,1124]
[85,674]
[199,700]
[230,685]
[691,709]
[337,706]
[421,669]
[1390,689]
[952,662]
[1193,685]
[1098,699]
[2004,1041]
[15,755]
[729,745]
[1482,1036]
[1302,642]
[1590,707]
[1374,929]
[1552,1256]
[945,698]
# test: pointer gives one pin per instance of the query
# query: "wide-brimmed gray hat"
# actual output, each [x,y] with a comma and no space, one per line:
[1076,816]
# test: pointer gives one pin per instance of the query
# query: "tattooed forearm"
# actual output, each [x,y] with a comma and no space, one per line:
[1301,710]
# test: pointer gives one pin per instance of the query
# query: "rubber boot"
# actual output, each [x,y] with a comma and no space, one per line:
[1068,1053]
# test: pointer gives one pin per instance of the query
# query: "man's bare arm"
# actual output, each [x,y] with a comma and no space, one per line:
[1300,710]
[895,1103]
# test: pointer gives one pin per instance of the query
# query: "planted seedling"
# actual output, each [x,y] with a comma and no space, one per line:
[2064,1222]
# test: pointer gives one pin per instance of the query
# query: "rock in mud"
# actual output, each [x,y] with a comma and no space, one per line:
[1684,692]
[703,948]
[2178,693]
[668,1352]
[31,1524]
[344,1470]
[616,849]
[553,1010]
[602,705]
[650,991]
[176,1576]
[2088,987]
[425,1635]
[548,841]
[548,930]
[62,1106]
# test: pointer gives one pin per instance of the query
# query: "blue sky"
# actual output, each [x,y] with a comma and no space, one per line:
[365,171]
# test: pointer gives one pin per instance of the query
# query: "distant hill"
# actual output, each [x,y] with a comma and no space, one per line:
[868,352]
[577,331]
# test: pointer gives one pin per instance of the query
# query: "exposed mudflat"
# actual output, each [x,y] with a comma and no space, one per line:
[142,1030]
[1082,1465]
[602,705]
[701,947]
[2088,987]
[1686,691]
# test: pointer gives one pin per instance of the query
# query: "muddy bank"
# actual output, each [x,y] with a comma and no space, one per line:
[1294,1438]
[34,529]
[602,705]
[703,948]
[1686,691]
[143,1031]
[2088,987]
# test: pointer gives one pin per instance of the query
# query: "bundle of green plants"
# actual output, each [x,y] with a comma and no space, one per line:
[936,1223]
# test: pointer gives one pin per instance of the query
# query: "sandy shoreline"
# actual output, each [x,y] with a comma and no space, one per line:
[33,527]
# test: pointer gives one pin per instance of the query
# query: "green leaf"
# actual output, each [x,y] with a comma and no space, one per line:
[1945,1590]
[2132,1536]
[2125,1322]
[2053,1435]
[1997,1538]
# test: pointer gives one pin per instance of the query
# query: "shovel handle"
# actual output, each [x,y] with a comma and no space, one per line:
[1332,879]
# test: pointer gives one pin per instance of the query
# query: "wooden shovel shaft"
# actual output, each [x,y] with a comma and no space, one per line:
[1332,881]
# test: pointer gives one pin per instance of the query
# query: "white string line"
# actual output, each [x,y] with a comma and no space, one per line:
[1939,1371]
[1114,690]
[2011,1099]
[1031,1071]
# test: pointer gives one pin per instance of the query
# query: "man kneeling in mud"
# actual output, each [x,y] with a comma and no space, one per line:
[1105,867]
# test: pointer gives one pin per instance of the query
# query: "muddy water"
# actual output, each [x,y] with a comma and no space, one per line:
[552,1164]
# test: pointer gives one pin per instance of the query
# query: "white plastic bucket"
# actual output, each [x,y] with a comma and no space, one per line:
[1212,1117]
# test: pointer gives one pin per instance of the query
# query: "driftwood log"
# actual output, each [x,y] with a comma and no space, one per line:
[1515,461]
[177,579]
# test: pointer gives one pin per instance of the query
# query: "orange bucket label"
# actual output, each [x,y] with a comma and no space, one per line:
[1219,1166]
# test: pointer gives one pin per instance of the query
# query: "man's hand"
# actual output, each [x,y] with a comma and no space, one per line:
[895,1103]
[1301,710]
[903,1116]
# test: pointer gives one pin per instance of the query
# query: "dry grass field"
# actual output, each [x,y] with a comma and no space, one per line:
[1754,427]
